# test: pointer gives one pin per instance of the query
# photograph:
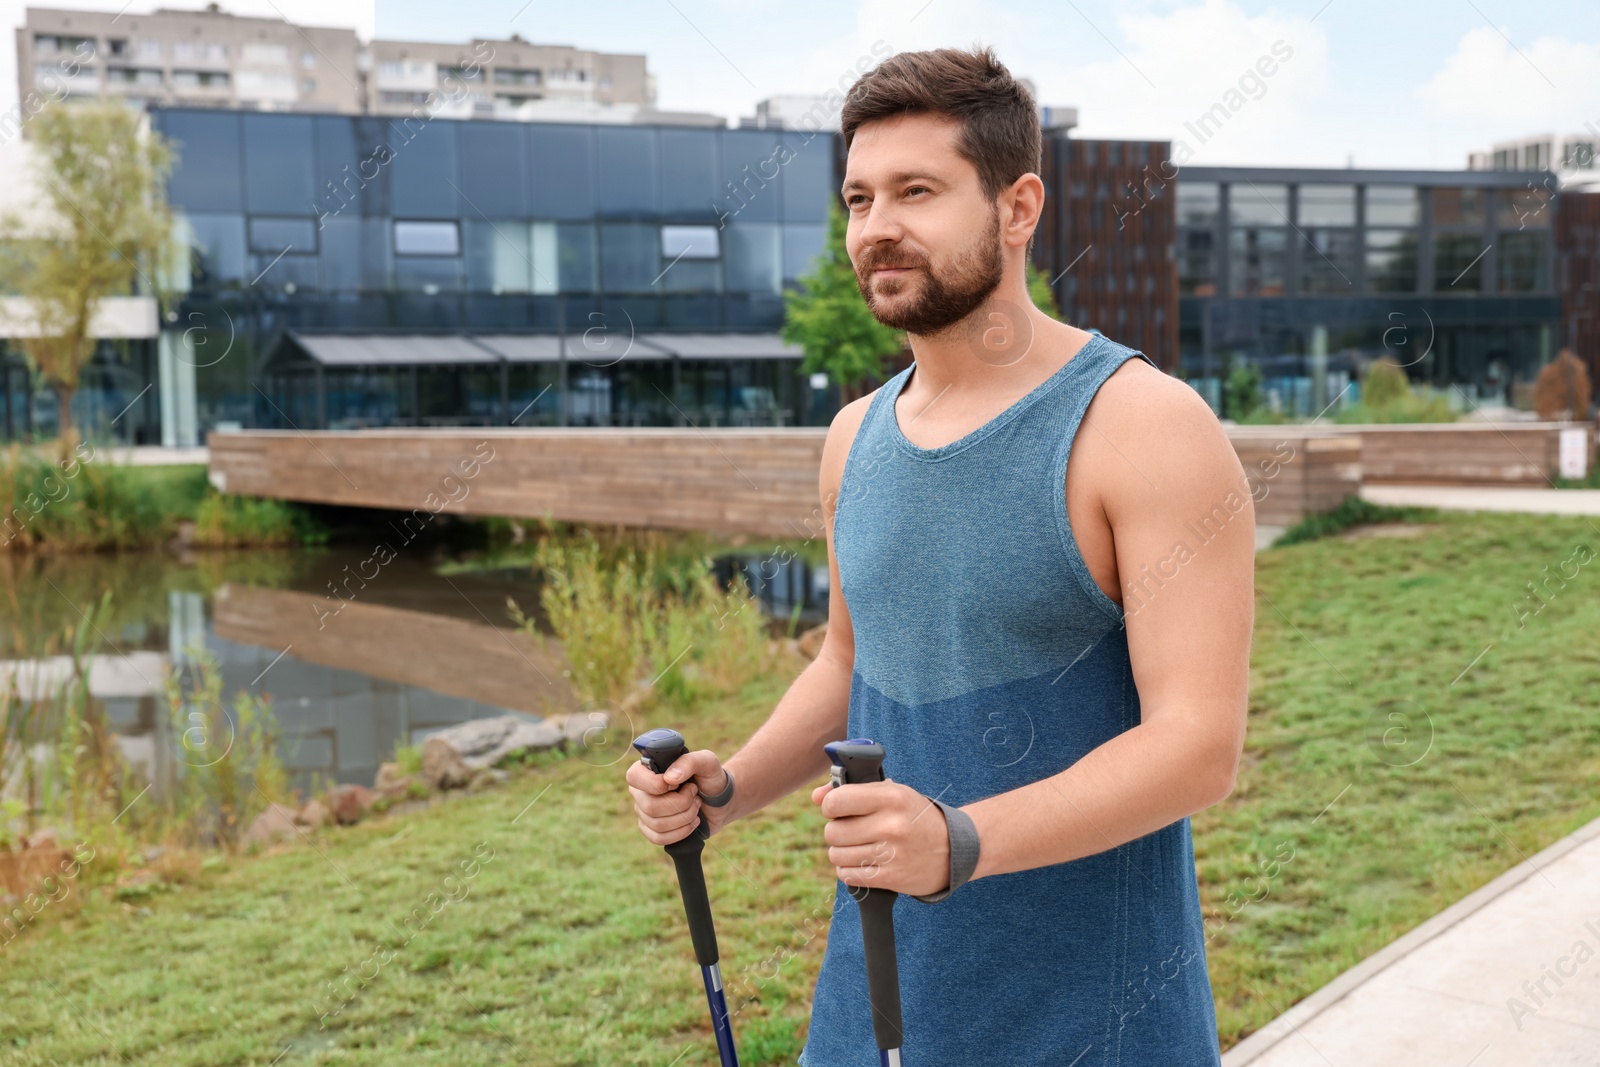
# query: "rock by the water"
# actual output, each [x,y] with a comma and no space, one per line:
[458,751]
[314,813]
[273,824]
[585,729]
[389,775]
[486,778]
[442,766]
[349,803]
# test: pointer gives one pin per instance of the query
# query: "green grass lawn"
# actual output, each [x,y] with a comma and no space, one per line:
[1408,741]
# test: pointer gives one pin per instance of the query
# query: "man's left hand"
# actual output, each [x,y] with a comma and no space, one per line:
[885,835]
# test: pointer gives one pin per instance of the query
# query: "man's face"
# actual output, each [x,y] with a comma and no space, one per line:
[924,240]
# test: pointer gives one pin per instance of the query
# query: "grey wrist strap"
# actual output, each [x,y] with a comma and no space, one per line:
[963,851]
[723,797]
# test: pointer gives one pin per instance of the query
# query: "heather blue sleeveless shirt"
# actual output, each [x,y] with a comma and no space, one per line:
[987,658]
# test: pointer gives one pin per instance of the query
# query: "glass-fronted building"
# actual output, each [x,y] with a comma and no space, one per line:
[1306,271]
[358,271]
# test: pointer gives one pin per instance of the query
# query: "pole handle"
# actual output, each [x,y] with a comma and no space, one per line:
[659,749]
[861,760]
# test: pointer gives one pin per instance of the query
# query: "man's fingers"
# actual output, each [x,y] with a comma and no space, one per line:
[701,763]
[867,876]
[872,855]
[860,798]
[656,837]
[854,830]
[665,824]
[665,803]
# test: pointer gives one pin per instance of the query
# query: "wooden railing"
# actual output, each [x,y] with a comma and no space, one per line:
[763,482]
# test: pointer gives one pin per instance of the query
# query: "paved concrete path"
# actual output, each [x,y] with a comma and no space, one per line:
[1507,977]
[1488,498]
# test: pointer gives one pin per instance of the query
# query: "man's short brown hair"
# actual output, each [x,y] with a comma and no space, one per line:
[999,120]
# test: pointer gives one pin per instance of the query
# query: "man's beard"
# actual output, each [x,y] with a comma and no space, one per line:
[945,300]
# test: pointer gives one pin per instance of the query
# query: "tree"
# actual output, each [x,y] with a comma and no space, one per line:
[1044,298]
[1562,390]
[829,319]
[1242,392]
[103,226]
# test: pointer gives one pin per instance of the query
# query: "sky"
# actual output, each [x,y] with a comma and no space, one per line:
[1368,83]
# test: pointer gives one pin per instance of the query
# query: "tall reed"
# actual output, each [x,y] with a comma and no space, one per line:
[631,620]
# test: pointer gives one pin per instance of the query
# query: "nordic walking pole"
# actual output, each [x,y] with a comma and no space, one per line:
[861,760]
[658,749]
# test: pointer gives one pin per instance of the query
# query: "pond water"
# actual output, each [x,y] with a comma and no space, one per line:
[349,678]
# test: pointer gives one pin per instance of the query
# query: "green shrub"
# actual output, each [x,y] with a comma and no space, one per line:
[1352,511]
[638,618]
[1387,397]
[225,520]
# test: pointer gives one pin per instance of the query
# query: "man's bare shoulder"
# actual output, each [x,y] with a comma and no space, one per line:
[841,435]
[1164,430]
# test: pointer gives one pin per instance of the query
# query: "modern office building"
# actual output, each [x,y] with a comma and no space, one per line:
[213,58]
[1304,270]
[359,271]
[1108,256]
[1577,237]
[1574,157]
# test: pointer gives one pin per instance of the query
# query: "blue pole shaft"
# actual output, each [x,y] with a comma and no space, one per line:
[720,1023]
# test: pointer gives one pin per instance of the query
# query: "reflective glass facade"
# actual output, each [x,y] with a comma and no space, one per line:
[332,223]
[1449,273]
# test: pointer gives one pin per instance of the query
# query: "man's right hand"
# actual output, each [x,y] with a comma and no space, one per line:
[668,805]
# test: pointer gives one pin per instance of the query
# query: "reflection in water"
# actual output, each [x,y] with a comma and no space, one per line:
[353,668]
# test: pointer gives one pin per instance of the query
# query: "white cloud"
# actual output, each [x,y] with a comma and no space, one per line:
[1551,85]
[1176,66]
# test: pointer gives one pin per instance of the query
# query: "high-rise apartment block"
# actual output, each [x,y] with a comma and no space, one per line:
[212,58]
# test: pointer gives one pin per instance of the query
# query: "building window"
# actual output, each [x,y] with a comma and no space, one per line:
[1197,203]
[689,242]
[1460,207]
[147,49]
[1257,260]
[1393,205]
[117,47]
[46,42]
[1524,262]
[1327,205]
[1458,263]
[396,96]
[1253,204]
[461,74]
[265,55]
[308,86]
[1328,260]
[1525,208]
[200,79]
[308,60]
[509,76]
[270,236]
[414,238]
[1392,261]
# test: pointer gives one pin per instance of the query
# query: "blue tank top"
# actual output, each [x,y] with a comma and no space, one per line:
[987,658]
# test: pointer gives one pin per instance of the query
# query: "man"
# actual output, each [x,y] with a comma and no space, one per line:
[1022,614]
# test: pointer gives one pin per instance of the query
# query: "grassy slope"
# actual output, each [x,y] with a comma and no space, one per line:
[569,947]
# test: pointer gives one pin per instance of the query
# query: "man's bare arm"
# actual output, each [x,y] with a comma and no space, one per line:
[1167,463]
[786,751]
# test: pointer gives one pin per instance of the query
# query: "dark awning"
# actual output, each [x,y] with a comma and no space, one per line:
[405,350]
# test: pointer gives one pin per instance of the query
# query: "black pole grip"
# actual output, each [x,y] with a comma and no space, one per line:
[861,760]
[659,749]
[883,968]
